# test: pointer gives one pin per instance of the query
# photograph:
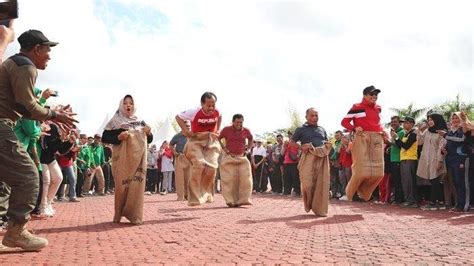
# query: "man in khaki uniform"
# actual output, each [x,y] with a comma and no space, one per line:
[17,79]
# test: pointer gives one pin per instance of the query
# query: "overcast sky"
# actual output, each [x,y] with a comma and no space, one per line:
[260,57]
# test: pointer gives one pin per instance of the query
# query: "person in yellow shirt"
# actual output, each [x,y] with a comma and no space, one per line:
[408,161]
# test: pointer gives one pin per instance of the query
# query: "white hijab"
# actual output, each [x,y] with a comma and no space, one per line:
[120,119]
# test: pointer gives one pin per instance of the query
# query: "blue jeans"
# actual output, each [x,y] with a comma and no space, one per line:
[68,172]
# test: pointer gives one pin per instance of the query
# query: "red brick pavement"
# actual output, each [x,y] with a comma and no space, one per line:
[276,230]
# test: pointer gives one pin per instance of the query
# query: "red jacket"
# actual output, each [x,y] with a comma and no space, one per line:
[345,158]
[67,159]
[365,115]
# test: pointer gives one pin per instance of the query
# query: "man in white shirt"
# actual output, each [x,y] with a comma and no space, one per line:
[259,154]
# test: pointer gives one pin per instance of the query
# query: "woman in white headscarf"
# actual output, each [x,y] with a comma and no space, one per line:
[129,137]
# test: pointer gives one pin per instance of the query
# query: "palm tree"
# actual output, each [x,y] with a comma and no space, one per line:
[456,105]
[410,110]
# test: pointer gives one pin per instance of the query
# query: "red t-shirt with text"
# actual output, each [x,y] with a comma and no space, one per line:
[200,122]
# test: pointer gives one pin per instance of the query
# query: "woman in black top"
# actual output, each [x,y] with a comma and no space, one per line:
[129,163]
[54,143]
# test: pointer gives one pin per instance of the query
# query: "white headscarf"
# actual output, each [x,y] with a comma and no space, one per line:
[120,119]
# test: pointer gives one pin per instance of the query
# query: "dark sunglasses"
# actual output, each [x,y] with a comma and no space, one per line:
[373,94]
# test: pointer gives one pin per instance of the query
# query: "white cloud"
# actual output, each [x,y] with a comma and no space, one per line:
[259,57]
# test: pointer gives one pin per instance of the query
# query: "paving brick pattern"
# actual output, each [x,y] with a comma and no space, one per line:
[276,230]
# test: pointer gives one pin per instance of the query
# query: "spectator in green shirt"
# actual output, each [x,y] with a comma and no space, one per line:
[395,177]
[85,161]
[98,156]
[336,187]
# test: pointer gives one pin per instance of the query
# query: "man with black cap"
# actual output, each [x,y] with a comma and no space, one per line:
[367,151]
[408,160]
[17,79]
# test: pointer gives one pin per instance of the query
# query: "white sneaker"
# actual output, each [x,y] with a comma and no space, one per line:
[47,212]
[343,197]
[147,193]
[51,209]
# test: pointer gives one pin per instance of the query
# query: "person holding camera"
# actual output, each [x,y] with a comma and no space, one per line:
[17,79]
[55,142]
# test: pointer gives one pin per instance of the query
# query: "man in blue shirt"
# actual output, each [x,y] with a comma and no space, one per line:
[314,164]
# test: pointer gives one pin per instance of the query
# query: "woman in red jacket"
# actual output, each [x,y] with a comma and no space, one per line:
[367,151]
[167,167]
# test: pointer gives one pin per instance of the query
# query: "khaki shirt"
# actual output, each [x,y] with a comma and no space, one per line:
[17,79]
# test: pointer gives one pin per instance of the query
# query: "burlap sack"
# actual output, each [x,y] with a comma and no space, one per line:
[129,164]
[314,176]
[367,165]
[236,180]
[182,171]
[203,153]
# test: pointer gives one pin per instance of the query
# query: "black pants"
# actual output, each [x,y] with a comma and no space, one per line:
[159,182]
[80,182]
[260,181]
[396,182]
[291,180]
[151,179]
[335,184]
[108,178]
[471,177]
[436,192]
[276,179]
[40,194]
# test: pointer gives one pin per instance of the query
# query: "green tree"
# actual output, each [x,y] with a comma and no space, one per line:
[175,125]
[410,110]
[456,105]
[294,121]
[270,136]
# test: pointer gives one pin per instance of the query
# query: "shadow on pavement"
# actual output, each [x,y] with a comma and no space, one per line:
[314,220]
[194,208]
[106,226]
[7,251]
[395,210]
[463,219]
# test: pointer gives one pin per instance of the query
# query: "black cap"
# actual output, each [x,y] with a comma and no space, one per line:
[408,119]
[97,136]
[31,38]
[371,89]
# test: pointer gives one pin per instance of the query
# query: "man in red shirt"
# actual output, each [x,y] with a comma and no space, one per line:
[202,148]
[367,151]
[236,174]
